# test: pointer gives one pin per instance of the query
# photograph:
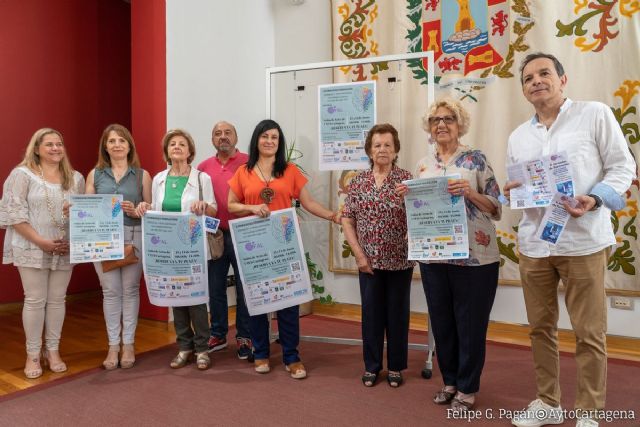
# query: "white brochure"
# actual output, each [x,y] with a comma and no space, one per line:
[541,179]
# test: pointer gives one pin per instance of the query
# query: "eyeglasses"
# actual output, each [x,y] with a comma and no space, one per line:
[448,120]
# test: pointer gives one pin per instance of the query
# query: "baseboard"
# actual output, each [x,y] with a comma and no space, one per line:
[626,348]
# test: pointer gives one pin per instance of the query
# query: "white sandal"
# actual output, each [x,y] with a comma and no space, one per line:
[203,362]
[111,362]
[181,360]
[35,371]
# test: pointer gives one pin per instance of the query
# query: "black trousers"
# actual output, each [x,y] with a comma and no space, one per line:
[385,310]
[460,300]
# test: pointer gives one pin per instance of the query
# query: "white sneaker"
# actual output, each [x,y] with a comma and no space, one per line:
[538,414]
[586,422]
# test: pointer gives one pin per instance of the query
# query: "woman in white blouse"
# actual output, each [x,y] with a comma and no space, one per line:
[31,209]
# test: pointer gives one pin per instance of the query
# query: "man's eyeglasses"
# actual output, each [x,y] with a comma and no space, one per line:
[448,120]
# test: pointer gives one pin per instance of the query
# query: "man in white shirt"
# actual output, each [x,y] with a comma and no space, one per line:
[602,168]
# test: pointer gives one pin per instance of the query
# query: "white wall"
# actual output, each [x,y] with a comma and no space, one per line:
[216,55]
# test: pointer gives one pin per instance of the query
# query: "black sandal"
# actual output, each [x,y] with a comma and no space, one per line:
[394,379]
[369,379]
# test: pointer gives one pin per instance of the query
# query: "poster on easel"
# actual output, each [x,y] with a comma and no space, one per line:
[346,112]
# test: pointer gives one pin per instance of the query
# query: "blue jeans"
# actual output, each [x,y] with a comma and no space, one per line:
[288,333]
[218,271]
[460,300]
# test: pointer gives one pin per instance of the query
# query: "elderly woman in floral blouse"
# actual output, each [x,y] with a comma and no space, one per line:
[374,223]
[460,293]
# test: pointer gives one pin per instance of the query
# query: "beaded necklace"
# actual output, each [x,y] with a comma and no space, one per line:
[58,224]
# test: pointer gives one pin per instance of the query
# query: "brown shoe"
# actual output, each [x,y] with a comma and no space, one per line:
[444,397]
[297,370]
[261,366]
[462,405]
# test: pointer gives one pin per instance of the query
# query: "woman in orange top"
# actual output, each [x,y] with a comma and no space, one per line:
[268,183]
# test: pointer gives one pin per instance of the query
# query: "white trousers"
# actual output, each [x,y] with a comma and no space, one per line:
[121,293]
[44,298]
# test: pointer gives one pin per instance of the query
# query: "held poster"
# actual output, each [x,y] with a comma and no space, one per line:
[271,261]
[436,220]
[346,112]
[96,228]
[175,258]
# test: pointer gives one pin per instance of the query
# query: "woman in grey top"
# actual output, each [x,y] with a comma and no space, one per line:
[118,172]
[31,210]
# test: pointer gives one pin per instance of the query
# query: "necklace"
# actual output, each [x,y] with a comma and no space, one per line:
[174,184]
[117,176]
[267,193]
[380,177]
[58,224]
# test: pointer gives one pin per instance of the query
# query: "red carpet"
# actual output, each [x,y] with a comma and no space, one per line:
[232,394]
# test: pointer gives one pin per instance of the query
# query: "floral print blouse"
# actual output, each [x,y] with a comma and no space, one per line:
[472,165]
[24,200]
[381,219]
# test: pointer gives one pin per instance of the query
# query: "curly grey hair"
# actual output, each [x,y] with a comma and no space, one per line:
[462,116]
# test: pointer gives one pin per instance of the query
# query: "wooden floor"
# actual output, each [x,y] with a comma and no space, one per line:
[84,342]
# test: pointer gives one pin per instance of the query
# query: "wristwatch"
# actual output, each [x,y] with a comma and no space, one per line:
[598,200]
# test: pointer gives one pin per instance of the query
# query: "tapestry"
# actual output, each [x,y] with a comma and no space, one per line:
[478,46]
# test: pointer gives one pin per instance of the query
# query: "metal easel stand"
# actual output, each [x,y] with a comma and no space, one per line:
[269,72]
[430,347]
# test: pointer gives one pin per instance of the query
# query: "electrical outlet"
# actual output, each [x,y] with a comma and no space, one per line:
[622,303]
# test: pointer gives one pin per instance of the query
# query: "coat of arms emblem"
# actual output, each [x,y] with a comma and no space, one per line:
[465,35]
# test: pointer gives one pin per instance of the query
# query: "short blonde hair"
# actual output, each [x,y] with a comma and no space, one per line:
[462,116]
[178,132]
[32,158]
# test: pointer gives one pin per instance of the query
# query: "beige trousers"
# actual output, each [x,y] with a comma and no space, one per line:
[583,278]
[44,298]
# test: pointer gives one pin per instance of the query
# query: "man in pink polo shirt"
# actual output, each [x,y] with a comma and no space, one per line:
[221,168]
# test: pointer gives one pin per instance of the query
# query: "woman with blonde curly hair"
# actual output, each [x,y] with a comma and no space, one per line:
[31,209]
[460,292]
